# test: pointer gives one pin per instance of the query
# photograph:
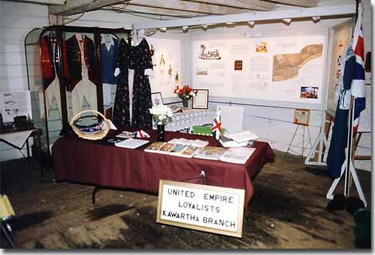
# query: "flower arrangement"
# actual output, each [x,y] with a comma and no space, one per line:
[185,93]
[161,114]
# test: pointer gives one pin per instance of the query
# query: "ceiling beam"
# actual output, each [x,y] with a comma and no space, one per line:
[254,5]
[153,11]
[299,3]
[187,6]
[52,2]
[338,11]
[72,7]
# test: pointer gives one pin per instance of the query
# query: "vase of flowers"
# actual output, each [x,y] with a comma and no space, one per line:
[186,94]
[161,114]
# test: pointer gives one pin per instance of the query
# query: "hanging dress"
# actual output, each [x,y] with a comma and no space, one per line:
[121,108]
[140,60]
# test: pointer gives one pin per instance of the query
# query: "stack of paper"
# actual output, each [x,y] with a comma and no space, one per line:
[237,155]
[131,143]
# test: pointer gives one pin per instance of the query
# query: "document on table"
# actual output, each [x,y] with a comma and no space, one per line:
[131,143]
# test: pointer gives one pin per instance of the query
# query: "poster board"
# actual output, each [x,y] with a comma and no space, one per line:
[340,39]
[14,103]
[201,207]
[275,69]
[166,61]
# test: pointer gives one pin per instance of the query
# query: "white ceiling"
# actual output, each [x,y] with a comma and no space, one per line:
[170,9]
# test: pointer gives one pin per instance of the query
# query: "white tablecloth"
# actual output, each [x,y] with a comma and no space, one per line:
[190,117]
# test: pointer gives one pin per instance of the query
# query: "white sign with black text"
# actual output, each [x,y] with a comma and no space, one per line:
[201,207]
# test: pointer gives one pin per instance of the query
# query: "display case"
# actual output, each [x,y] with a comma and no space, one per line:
[64,69]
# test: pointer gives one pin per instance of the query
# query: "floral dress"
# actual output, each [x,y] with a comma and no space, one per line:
[121,115]
[140,60]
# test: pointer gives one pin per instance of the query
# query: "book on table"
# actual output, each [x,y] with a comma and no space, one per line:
[209,152]
[188,152]
[155,147]
[189,142]
[131,143]
[237,155]
[177,149]
[166,148]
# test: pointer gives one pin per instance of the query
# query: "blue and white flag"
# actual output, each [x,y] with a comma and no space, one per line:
[358,89]
[353,83]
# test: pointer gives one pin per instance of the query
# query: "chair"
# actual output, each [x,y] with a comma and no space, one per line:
[6,213]
[231,118]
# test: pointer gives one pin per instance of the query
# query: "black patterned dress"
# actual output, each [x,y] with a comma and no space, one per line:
[140,60]
[121,115]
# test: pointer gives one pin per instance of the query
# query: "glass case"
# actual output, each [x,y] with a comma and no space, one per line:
[64,71]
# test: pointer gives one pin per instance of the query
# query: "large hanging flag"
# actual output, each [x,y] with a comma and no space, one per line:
[358,88]
[353,83]
[216,126]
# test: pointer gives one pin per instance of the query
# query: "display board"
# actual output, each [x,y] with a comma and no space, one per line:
[166,59]
[341,35]
[287,69]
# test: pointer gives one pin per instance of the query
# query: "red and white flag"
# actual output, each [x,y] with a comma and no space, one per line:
[216,126]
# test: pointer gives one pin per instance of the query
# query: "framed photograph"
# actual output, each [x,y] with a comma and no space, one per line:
[156,99]
[301,117]
[200,101]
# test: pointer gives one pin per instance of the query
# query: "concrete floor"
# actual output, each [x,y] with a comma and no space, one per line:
[288,211]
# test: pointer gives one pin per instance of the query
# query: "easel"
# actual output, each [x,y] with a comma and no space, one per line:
[301,118]
[322,141]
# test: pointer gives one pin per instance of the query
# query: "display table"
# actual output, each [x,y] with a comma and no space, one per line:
[18,137]
[102,164]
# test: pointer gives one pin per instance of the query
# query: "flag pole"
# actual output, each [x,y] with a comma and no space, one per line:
[350,131]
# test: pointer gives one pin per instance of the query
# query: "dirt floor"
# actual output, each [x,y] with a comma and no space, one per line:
[287,211]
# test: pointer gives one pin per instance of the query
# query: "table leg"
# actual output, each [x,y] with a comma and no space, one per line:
[28,149]
[93,198]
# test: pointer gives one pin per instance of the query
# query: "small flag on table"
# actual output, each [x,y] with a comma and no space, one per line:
[141,134]
[216,126]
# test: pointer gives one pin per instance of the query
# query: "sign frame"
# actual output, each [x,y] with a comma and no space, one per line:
[301,117]
[240,209]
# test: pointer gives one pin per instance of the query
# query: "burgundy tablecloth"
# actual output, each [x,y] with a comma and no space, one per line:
[102,163]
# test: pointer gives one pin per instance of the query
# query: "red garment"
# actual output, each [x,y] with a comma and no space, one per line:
[48,71]
[72,60]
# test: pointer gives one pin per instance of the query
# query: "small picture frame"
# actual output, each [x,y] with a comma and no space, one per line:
[156,99]
[301,117]
[200,101]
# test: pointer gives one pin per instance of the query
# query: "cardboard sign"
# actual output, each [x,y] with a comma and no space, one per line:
[201,207]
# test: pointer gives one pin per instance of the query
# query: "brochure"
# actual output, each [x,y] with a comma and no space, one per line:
[209,152]
[177,149]
[155,146]
[237,155]
[188,152]
[166,148]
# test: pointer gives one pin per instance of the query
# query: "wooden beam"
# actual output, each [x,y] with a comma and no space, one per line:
[186,6]
[254,5]
[155,11]
[49,2]
[338,11]
[299,3]
[72,7]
